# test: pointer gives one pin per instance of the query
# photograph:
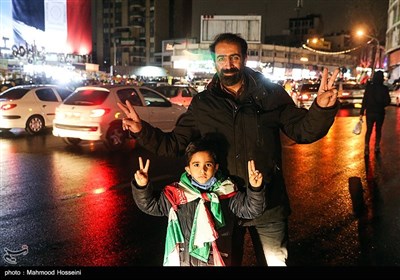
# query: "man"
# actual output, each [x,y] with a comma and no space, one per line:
[245,113]
[376,98]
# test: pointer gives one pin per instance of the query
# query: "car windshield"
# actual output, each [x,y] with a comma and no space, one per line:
[14,93]
[87,97]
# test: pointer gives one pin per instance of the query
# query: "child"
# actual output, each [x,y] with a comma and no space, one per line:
[201,207]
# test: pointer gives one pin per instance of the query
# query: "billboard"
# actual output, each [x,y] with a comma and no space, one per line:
[51,26]
[249,27]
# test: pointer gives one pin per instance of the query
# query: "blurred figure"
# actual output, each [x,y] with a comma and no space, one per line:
[376,98]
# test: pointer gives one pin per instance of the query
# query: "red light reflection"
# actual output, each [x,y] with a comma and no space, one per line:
[96,221]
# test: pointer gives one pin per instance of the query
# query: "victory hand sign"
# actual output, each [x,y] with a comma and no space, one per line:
[132,120]
[327,93]
[255,177]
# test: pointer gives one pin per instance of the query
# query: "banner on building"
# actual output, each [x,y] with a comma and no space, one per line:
[62,26]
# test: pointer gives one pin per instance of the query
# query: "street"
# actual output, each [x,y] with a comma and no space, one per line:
[72,206]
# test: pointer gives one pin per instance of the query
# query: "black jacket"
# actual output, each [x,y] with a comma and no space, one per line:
[247,128]
[376,98]
[247,205]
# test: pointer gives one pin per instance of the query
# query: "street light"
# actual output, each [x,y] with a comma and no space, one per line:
[361,33]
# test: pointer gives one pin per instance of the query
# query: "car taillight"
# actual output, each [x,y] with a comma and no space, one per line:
[7,106]
[99,113]
[304,97]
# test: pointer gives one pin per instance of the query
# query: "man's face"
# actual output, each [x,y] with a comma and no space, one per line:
[229,63]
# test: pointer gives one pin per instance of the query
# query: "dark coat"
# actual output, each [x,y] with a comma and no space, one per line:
[376,96]
[247,205]
[247,128]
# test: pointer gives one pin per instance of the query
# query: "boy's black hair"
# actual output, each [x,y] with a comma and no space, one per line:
[230,38]
[201,145]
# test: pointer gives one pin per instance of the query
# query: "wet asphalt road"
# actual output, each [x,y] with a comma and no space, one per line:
[73,207]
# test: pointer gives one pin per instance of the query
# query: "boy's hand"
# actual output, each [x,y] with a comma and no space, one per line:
[255,176]
[141,175]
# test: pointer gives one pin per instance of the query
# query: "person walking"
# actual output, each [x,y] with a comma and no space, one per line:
[245,113]
[376,98]
[201,207]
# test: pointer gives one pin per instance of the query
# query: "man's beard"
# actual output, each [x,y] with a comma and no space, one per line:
[230,80]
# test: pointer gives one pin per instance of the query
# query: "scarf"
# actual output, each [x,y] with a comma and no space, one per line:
[203,235]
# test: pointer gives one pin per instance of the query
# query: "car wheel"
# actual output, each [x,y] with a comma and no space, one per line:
[34,125]
[72,141]
[115,138]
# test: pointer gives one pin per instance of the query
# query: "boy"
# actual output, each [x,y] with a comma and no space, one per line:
[201,207]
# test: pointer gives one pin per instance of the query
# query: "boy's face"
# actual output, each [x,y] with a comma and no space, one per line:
[202,167]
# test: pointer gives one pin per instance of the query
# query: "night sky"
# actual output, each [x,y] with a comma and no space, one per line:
[337,15]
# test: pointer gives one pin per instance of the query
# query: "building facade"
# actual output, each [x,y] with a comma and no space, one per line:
[130,32]
[393,39]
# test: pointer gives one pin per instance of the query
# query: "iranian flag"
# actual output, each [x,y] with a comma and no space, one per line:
[57,25]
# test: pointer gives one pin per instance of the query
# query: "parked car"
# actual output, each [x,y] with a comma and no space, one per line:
[91,113]
[178,94]
[306,94]
[351,94]
[31,107]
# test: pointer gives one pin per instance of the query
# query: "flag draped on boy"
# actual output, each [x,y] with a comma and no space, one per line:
[203,235]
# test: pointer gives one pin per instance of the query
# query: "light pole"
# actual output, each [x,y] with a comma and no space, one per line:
[376,54]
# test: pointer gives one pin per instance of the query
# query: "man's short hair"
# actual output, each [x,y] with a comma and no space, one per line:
[230,38]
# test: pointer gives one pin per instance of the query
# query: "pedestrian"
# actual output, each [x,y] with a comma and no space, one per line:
[246,113]
[201,207]
[376,98]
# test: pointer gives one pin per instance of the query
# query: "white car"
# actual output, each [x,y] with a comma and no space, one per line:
[351,94]
[91,113]
[30,107]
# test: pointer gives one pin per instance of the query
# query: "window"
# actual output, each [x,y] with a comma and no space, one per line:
[46,94]
[131,95]
[87,97]
[153,99]
[17,93]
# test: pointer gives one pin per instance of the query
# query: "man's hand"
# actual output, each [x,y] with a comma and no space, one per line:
[132,120]
[255,177]
[327,93]
[142,175]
